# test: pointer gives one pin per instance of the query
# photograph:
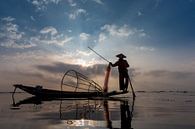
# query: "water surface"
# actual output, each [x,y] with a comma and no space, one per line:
[150,110]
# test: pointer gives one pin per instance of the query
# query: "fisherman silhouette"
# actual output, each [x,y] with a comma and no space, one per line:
[123,72]
[126,115]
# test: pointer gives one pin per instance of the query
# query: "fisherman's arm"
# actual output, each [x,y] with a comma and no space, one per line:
[113,65]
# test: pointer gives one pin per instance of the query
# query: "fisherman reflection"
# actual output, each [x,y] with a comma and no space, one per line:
[126,115]
[123,72]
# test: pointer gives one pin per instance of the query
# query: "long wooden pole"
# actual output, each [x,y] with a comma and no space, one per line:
[132,88]
[99,55]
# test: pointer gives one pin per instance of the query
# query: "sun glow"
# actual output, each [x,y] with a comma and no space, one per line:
[81,62]
[85,63]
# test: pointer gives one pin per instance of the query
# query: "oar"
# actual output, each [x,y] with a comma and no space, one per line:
[132,88]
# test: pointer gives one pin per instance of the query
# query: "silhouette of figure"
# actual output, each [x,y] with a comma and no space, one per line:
[126,115]
[123,72]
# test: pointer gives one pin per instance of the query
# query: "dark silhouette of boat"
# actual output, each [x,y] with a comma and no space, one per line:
[79,87]
[41,92]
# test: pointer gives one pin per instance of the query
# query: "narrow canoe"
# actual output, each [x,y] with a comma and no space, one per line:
[41,92]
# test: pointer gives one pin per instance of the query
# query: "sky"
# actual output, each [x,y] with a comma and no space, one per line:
[41,39]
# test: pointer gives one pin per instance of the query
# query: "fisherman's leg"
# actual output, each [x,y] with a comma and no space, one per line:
[126,83]
[121,82]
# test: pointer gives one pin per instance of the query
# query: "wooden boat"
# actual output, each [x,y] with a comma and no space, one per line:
[41,92]
[80,87]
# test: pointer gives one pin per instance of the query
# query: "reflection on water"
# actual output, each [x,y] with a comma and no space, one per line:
[152,110]
[96,113]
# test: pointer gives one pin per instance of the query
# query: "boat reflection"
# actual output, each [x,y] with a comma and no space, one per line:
[111,113]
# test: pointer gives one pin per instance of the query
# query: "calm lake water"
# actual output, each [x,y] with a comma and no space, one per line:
[150,110]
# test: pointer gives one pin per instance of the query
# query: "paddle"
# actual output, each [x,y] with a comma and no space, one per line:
[132,88]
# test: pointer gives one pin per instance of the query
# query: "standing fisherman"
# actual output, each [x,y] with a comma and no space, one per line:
[123,72]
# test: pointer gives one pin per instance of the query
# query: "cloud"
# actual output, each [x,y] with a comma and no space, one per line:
[83,53]
[141,33]
[28,77]
[165,80]
[114,30]
[8,19]
[11,44]
[122,31]
[171,74]
[90,71]
[11,36]
[98,1]
[72,3]
[95,72]
[84,36]
[49,29]
[144,48]
[77,13]
[58,40]
[42,4]
[69,31]
[59,67]
[112,33]
[102,37]
[50,35]
[32,18]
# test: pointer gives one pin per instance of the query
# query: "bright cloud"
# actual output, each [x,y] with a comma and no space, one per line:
[114,30]
[84,36]
[11,44]
[77,13]
[58,40]
[54,38]
[12,31]
[98,1]
[49,29]
[122,31]
[42,4]
[144,48]
[83,53]
[102,37]
[8,19]
[114,33]
[11,36]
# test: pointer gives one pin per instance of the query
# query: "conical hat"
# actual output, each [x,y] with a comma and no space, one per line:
[121,55]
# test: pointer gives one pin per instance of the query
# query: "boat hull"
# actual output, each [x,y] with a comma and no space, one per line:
[41,92]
